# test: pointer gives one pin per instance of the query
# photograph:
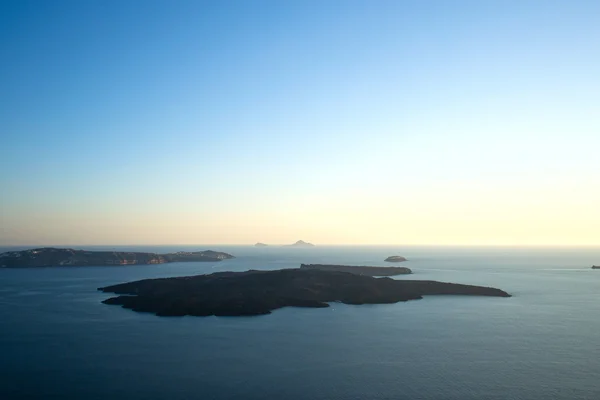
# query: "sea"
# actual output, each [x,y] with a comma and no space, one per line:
[57,341]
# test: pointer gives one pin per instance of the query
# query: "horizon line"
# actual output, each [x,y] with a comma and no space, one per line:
[315,245]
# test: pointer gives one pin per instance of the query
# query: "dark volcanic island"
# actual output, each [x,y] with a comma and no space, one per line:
[260,292]
[53,257]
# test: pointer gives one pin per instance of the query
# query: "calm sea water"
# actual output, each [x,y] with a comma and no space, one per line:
[57,341]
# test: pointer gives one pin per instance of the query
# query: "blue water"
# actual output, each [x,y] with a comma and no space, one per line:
[57,341]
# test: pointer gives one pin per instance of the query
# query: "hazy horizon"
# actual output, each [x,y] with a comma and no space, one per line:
[216,245]
[343,122]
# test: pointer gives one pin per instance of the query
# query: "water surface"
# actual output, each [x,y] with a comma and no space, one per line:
[58,341]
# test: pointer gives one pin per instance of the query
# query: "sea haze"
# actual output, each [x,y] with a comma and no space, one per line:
[59,341]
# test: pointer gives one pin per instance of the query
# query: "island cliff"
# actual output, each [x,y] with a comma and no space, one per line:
[259,244]
[260,292]
[360,270]
[52,257]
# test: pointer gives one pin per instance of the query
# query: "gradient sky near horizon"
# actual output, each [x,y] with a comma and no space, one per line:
[336,122]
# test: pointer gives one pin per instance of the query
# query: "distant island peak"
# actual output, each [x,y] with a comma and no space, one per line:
[302,243]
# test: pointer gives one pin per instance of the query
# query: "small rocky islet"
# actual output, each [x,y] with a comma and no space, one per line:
[395,259]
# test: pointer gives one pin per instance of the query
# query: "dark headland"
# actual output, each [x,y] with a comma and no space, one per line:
[360,270]
[395,259]
[595,266]
[260,292]
[53,257]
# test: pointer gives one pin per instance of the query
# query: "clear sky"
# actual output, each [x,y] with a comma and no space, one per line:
[336,122]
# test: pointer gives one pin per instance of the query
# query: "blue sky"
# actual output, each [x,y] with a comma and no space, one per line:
[432,122]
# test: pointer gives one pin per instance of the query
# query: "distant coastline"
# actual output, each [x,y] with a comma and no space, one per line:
[64,257]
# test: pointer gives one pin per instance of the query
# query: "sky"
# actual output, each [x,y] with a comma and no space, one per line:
[336,122]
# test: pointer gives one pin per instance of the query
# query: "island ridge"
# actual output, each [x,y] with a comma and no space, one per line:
[360,270]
